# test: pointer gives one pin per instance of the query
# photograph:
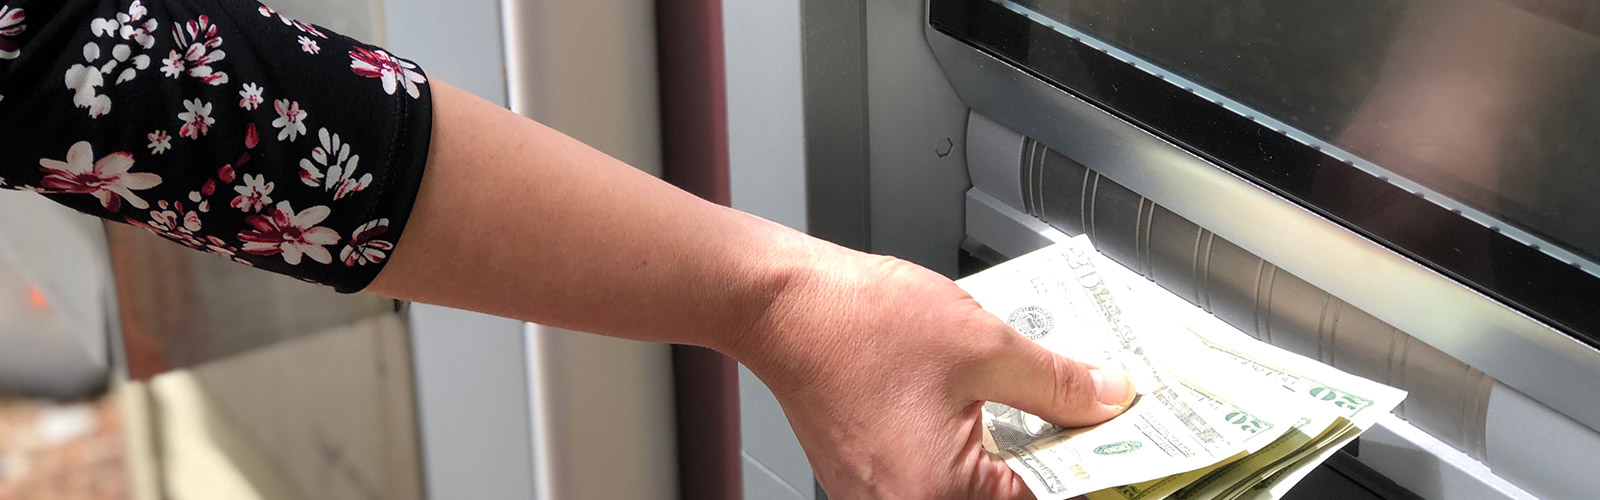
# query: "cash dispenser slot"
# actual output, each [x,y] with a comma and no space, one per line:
[1451,401]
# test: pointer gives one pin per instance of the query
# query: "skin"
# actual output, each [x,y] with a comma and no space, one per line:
[880,365]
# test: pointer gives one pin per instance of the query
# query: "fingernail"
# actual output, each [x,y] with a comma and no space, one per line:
[1112,387]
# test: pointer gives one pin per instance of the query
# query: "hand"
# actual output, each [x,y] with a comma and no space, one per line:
[882,367]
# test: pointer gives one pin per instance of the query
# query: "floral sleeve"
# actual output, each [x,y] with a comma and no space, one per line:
[219,124]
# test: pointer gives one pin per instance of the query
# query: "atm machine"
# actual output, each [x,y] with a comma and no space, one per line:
[1403,190]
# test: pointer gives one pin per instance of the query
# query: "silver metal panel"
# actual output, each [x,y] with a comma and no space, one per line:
[912,112]
[766,127]
[767,175]
[602,416]
[472,404]
[1548,454]
[761,482]
[1001,228]
[834,57]
[988,140]
[767,438]
[473,401]
[588,69]
[1430,468]
[1515,349]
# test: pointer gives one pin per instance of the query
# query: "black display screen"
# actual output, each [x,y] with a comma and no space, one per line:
[1465,134]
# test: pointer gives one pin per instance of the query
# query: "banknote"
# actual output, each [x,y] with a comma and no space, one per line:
[1056,297]
[1335,407]
[1279,431]
[1274,430]
[1219,415]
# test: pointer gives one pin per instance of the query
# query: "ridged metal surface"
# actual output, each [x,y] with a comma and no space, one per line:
[1449,399]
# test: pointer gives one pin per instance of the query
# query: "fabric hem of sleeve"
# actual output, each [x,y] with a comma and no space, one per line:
[399,186]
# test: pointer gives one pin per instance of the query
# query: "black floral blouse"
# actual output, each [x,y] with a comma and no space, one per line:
[218,124]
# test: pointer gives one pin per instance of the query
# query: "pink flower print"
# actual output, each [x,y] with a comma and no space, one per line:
[308,28]
[392,71]
[253,195]
[171,221]
[197,120]
[215,245]
[250,97]
[200,44]
[291,119]
[308,45]
[10,27]
[251,139]
[364,247]
[108,180]
[172,218]
[290,234]
[226,174]
[160,142]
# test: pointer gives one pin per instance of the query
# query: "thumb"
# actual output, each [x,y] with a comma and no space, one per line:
[1063,391]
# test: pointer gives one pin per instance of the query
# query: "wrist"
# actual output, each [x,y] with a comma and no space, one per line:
[785,279]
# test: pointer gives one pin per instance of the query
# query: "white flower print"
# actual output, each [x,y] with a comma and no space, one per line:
[253,195]
[126,25]
[201,47]
[288,21]
[170,220]
[171,217]
[291,119]
[85,80]
[160,142]
[334,168]
[172,65]
[364,247]
[250,97]
[308,45]
[391,70]
[108,179]
[284,232]
[85,83]
[10,27]
[197,120]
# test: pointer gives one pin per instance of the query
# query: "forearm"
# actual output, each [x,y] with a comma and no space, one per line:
[518,220]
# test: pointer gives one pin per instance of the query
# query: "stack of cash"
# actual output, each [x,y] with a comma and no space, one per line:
[1219,415]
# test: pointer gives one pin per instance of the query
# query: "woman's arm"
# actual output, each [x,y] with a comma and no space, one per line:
[231,128]
[879,364]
